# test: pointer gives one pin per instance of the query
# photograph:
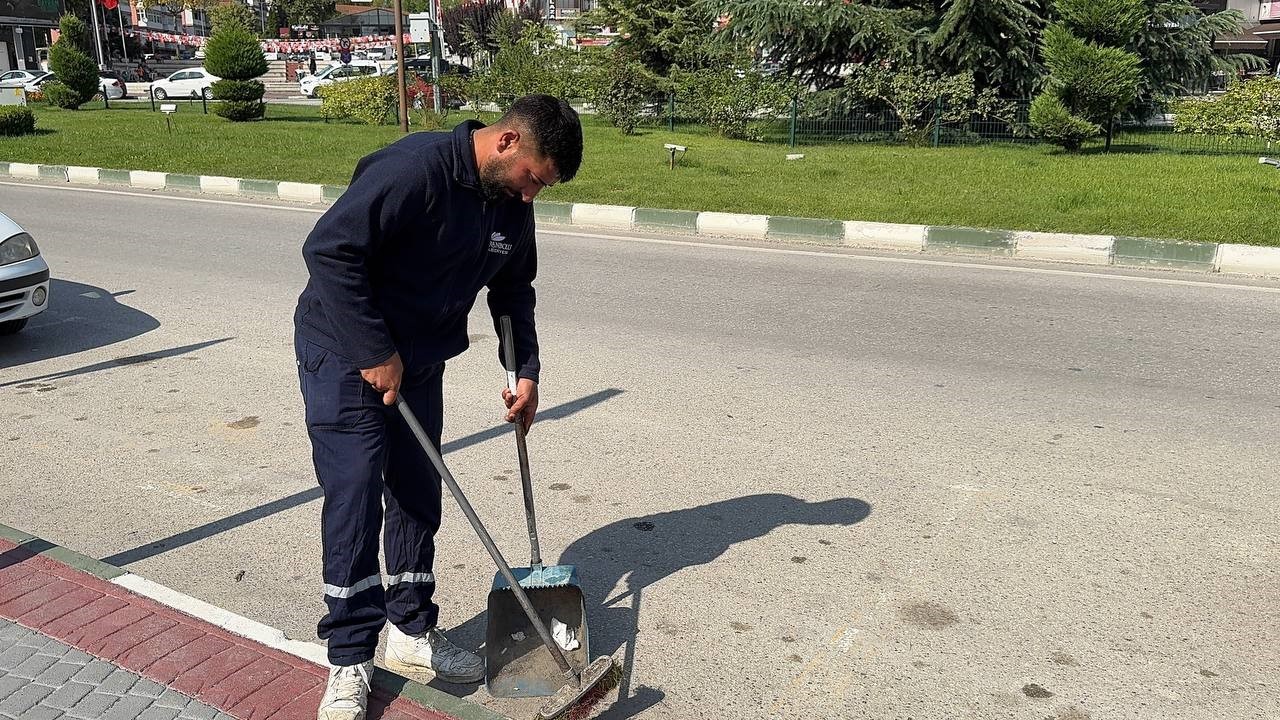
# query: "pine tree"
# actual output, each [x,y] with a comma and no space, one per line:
[234,55]
[993,39]
[77,76]
[1092,78]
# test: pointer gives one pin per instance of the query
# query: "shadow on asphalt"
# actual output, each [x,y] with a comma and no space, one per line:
[80,317]
[244,517]
[647,549]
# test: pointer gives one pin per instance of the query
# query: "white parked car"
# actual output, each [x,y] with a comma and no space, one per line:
[192,82]
[337,73]
[37,85]
[19,78]
[24,278]
[110,86]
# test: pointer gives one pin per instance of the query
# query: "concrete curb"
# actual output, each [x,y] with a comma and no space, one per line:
[424,695]
[1040,246]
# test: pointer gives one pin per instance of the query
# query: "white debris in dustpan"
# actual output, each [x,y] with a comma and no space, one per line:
[567,639]
[518,636]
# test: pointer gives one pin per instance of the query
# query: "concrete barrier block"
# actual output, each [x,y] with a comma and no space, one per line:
[885,236]
[615,216]
[733,224]
[219,185]
[82,175]
[1249,260]
[1064,247]
[147,179]
[301,192]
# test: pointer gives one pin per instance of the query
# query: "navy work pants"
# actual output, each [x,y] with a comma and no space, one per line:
[365,456]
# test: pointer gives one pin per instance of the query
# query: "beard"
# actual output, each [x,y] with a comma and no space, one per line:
[493,179]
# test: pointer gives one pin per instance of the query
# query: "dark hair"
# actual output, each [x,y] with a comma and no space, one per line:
[556,130]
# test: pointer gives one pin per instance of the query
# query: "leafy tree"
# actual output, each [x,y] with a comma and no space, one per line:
[661,34]
[308,12]
[276,19]
[922,99]
[174,8]
[233,13]
[531,63]
[729,99]
[1248,107]
[621,89]
[475,29]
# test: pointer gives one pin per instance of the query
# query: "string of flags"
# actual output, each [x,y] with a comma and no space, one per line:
[277,46]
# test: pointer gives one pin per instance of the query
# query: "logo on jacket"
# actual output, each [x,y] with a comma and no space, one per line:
[498,244]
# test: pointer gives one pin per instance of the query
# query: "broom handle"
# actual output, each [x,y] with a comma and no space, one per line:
[509,359]
[434,455]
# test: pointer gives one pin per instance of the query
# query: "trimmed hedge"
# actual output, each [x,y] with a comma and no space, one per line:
[17,120]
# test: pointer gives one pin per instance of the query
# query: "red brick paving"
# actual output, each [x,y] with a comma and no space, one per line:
[234,674]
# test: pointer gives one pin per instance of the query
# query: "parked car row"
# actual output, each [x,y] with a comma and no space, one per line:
[110,82]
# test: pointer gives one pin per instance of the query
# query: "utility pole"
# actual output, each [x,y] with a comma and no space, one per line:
[123,49]
[97,33]
[404,99]
[437,40]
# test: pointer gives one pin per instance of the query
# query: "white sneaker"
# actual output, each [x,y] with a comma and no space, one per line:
[347,693]
[432,651]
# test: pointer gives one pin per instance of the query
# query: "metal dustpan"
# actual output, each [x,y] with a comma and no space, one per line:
[517,663]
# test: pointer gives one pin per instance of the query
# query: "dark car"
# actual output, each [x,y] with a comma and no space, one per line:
[423,65]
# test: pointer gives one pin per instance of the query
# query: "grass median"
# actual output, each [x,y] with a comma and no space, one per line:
[1214,198]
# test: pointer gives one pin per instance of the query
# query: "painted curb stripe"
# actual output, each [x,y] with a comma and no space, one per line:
[182,182]
[549,212]
[827,232]
[1058,247]
[116,177]
[955,238]
[1146,252]
[659,219]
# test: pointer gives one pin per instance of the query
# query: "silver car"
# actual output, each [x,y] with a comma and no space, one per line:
[24,278]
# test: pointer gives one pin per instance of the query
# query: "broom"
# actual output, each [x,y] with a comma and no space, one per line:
[582,691]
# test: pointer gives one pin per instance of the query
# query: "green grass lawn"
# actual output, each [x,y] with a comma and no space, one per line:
[1222,198]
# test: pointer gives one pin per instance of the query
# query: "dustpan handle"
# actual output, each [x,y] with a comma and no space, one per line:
[434,455]
[509,360]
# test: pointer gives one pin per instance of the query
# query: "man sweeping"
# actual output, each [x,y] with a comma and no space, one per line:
[396,265]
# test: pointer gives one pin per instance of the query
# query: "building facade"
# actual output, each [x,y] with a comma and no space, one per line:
[25,32]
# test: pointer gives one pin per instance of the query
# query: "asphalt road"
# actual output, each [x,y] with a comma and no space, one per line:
[797,484]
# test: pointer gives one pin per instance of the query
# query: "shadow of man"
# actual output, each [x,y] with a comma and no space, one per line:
[646,549]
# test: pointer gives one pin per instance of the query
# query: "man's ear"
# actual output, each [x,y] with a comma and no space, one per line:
[508,140]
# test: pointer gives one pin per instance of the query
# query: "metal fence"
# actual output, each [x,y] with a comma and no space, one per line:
[801,126]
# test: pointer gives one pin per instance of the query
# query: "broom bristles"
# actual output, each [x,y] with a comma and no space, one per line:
[586,705]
